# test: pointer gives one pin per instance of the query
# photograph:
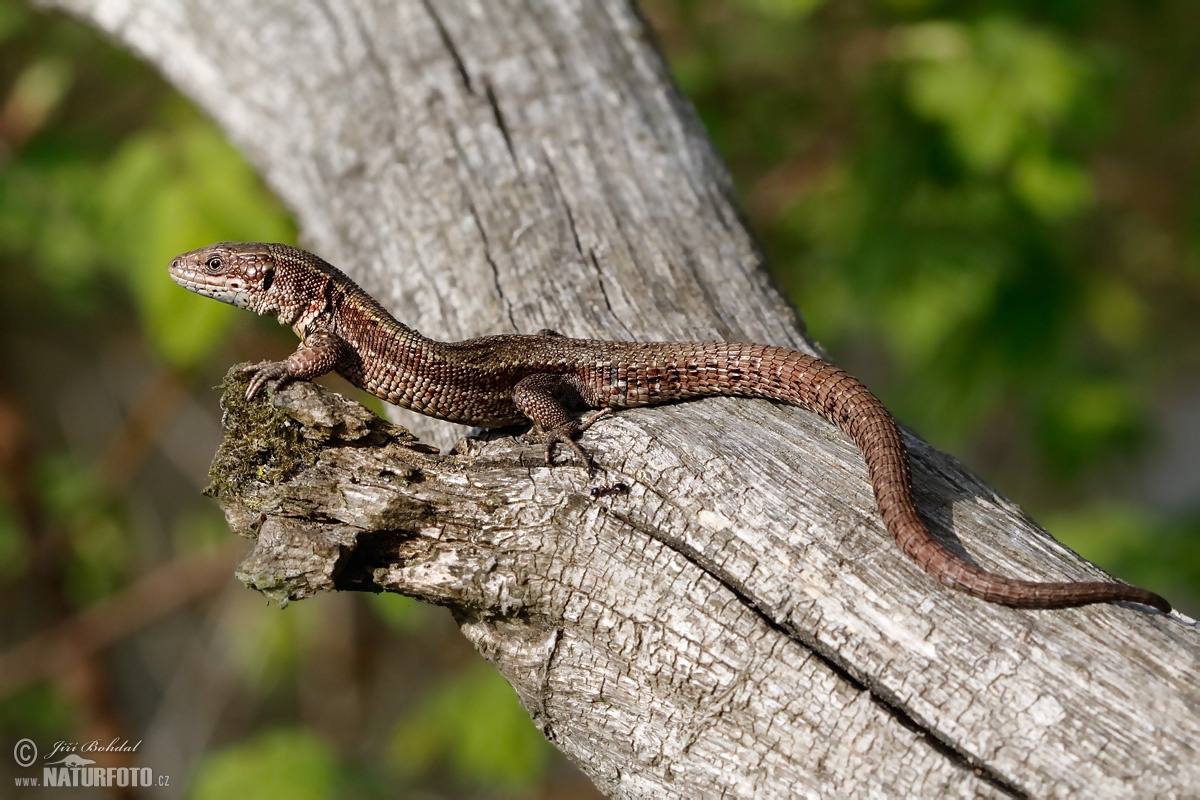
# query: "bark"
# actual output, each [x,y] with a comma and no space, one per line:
[737,622]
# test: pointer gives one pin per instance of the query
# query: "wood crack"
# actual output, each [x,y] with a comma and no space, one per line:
[451,49]
[884,700]
[498,116]
[487,254]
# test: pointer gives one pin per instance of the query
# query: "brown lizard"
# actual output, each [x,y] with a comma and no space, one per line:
[550,380]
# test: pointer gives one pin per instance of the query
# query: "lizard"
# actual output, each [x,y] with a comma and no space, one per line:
[563,385]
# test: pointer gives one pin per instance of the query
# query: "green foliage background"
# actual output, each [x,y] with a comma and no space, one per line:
[989,210]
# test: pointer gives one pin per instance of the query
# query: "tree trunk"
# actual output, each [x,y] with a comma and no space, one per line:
[737,622]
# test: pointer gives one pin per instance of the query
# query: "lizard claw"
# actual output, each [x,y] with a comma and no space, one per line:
[592,418]
[566,434]
[262,372]
[565,437]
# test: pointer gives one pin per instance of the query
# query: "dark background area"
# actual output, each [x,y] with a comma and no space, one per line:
[989,211]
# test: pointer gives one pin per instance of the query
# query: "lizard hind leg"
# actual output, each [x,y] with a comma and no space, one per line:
[552,402]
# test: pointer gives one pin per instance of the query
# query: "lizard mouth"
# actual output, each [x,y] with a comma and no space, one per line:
[226,289]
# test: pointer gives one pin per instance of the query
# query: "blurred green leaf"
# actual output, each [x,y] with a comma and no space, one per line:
[92,524]
[14,20]
[14,551]
[1133,541]
[37,92]
[782,8]
[1084,421]
[1002,90]
[473,727]
[278,765]
[1115,312]
[1053,188]
[265,648]
[42,710]
[402,614]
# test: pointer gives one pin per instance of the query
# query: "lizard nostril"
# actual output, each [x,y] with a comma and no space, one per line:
[175,263]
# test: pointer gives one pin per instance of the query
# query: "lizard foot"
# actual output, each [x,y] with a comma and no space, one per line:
[262,372]
[319,354]
[566,435]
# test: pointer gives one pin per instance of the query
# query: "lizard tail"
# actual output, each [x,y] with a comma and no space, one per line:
[803,380]
[887,463]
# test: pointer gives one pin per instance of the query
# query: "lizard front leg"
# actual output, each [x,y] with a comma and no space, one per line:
[550,400]
[320,354]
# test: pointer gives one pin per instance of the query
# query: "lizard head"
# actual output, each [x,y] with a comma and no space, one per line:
[240,274]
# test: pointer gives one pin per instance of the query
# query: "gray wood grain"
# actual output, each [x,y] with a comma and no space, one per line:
[739,622]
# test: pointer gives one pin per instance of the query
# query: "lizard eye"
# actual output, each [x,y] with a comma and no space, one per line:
[214,264]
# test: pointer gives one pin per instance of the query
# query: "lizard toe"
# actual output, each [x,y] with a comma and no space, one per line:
[566,437]
[263,372]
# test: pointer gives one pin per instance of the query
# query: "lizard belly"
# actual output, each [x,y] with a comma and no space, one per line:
[446,401]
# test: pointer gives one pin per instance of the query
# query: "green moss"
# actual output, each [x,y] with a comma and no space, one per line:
[263,444]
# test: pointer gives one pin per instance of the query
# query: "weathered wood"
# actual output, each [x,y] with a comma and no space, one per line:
[739,621]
